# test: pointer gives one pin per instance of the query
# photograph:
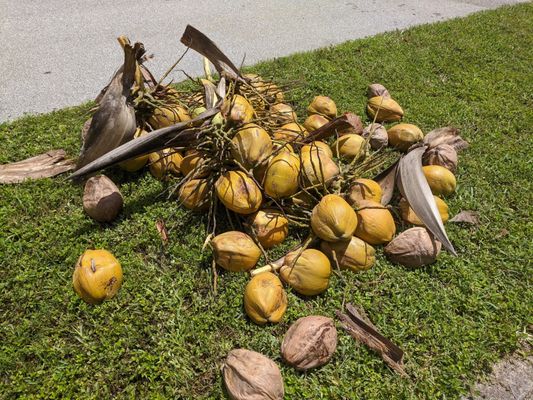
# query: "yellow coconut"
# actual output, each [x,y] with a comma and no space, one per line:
[251,145]
[364,189]
[317,169]
[375,223]
[168,115]
[195,195]
[389,109]
[267,89]
[270,227]
[194,160]
[304,199]
[235,251]
[333,219]
[164,162]
[281,177]
[97,276]
[349,146]
[403,136]
[280,145]
[136,163]
[238,192]
[323,105]
[355,254]
[265,299]
[408,215]
[283,113]
[308,274]
[238,110]
[315,121]
[317,145]
[290,132]
[441,180]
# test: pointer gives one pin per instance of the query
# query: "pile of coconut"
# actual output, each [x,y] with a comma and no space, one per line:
[235,149]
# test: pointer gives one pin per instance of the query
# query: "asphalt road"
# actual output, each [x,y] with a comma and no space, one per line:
[59,53]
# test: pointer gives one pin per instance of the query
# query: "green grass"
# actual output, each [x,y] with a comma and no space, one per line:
[165,335]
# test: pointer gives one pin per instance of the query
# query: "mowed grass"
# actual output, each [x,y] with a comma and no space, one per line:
[166,334]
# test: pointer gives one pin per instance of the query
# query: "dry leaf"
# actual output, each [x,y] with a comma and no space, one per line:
[387,182]
[45,165]
[446,135]
[345,121]
[162,229]
[467,217]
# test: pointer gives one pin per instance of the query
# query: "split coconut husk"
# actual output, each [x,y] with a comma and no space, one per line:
[414,247]
[102,200]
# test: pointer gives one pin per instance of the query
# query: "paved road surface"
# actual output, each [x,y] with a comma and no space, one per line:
[59,53]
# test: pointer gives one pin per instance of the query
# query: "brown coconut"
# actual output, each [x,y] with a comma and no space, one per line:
[102,200]
[249,375]
[414,247]
[310,342]
[378,136]
[443,155]
[377,89]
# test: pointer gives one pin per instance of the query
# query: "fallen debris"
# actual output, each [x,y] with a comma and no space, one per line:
[47,165]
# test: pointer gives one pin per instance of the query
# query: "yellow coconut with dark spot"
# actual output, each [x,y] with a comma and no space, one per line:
[308,273]
[441,180]
[97,276]
[238,110]
[403,136]
[323,105]
[164,162]
[355,254]
[290,132]
[235,251]
[265,299]
[251,145]
[384,109]
[315,121]
[238,192]
[195,195]
[364,189]
[270,227]
[349,146]
[333,219]
[281,177]
[375,223]
[168,115]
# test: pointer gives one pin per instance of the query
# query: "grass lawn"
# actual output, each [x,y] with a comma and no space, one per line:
[165,335]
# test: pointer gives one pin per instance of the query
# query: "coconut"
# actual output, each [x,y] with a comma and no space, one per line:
[97,276]
[310,342]
[308,274]
[317,146]
[283,113]
[440,180]
[252,376]
[443,155]
[364,189]
[194,160]
[355,254]
[281,177]
[238,192]
[195,194]
[378,136]
[265,299]
[168,115]
[238,111]
[408,215]
[281,145]
[136,163]
[377,89]
[315,121]
[164,162]
[403,136]
[235,251]
[389,109]
[414,247]
[290,132]
[333,219]
[270,227]
[375,223]
[268,90]
[317,169]
[323,105]
[349,146]
[251,145]
[102,200]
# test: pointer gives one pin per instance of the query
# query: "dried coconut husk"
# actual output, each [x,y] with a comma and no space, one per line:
[252,376]
[414,247]
[377,89]
[443,155]
[102,200]
[378,136]
[310,342]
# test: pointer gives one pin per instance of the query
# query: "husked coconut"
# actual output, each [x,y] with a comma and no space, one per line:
[414,247]
[102,200]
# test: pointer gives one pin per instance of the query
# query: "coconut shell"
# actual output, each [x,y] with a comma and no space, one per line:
[389,109]
[166,116]
[164,162]
[378,136]
[310,342]
[265,299]
[355,254]
[308,274]
[443,155]
[239,110]
[235,251]
[102,200]
[403,136]
[414,247]
[238,192]
[252,376]
[194,160]
[377,89]
[333,219]
[323,105]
